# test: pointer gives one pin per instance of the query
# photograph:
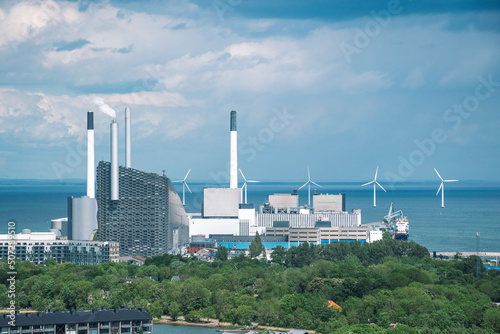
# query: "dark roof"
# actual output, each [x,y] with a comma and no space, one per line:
[73,317]
[281,223]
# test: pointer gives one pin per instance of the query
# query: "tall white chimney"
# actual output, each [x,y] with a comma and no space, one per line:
[114,160]
[127,138]
[233,168]
[90,155]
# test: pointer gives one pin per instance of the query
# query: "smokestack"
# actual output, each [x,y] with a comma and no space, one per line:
[127,138]
[90,155]
[114,160]
[233,169]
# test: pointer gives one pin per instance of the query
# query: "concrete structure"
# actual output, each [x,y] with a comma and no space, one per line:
[37,247]
[82,217]
[284,202]
[337,219]
[318,235]
[90,156]
[103,321]
[375,235]
[114,161]
[61,225]
[128,150]
[148,219]
[233,158]
[206,226]
[248,223]
[328,203]
[221,202]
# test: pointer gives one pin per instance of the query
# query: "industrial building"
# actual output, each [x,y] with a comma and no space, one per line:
[225,220]
[37,247]
[147,218]
[102,321]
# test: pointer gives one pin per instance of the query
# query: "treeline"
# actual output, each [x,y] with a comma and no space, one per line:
[375,284]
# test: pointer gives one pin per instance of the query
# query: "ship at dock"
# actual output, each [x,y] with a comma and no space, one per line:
[397,224]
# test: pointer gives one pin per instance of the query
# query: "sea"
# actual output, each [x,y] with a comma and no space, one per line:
[470,207]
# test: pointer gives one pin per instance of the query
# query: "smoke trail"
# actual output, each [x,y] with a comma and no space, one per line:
[104,107]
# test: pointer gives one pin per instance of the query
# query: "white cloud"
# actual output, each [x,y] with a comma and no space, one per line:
[45,118]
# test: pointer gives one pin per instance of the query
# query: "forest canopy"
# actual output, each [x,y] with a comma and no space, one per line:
[376,285]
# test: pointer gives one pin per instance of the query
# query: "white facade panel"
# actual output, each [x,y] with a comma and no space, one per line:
[221,202]
[204,226]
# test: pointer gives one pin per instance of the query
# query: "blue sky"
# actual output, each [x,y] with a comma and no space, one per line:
[338,86]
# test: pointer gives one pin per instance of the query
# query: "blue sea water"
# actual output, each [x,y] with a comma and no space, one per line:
[469,208]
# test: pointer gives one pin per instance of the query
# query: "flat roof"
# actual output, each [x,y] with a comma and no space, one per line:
[74,317]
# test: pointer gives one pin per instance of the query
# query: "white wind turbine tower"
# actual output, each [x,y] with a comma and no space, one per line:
[184,186]
[308,183]
[375,184]
[245,185]
[441,187]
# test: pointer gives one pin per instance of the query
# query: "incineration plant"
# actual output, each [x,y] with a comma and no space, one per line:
[128,212]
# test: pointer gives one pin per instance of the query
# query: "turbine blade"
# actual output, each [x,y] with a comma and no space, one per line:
[440,187]
[376,173]
[188,187]
[308,174]
[177,181]
[438,174]
[450,180]
[242,174]
[378,184]
[305,184]
[185,177]
[252,181]
[316,184]
[367,183]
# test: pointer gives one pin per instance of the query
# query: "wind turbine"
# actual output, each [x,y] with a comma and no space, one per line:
[245,184]
[441,187]
[308,183]
[184,186]
[375,184]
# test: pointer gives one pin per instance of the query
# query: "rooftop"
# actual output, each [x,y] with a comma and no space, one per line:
[74,317]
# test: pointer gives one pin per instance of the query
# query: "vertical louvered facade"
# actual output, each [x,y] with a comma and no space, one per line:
[147,220]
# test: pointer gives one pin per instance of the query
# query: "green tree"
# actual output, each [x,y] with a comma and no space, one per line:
[244,314]
[492,319]
[278,255]
[221,254]
[174,310]
[155,309]
[256,247]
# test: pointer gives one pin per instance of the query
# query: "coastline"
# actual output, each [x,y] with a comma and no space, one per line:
[224,325]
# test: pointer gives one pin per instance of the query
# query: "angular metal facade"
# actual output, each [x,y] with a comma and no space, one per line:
[148,219]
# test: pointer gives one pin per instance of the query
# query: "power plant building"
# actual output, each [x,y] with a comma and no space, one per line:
[147,218]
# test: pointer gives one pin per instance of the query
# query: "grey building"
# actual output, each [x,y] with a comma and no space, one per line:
[147,219]
[113,321]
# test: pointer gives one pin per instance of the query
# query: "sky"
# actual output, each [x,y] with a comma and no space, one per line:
[341,87]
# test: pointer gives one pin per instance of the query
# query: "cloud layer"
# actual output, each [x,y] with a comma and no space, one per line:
[363,84]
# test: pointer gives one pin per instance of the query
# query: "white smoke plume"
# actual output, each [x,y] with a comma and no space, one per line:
[105,108]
